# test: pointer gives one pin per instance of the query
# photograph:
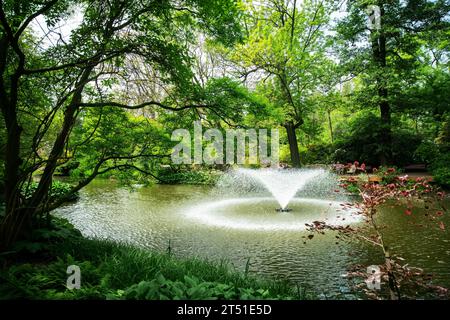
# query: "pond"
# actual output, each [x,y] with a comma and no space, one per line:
[179,216]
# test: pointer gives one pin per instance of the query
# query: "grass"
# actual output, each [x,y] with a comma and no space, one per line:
[111,270]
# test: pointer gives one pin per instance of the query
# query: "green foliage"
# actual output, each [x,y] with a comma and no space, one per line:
[404,143]
[72,103]
[228,99]
[443,138]
[396,73]
[442,176]
[33,281]
[289,78]
[361,140]
[353,188]
[45,236]
[440,168]
[57,190]
[318,153]
[128,143]
[388,174]
[426,152]
[67,168]
[117,271]
[189,176]
[191,288]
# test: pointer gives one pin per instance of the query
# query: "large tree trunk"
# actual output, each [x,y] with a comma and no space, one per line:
[293,145]
[12,186]
[60,142]
[330,126]
[12,159]
[379,57]
[18,219]
[386,136]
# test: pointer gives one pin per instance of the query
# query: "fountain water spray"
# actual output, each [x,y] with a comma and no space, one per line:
[283,184]
[242,201]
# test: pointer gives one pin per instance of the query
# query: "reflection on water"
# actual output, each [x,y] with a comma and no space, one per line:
[153,216]
[259,213]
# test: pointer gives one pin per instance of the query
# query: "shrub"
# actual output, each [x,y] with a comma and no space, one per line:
[67,168]
[190,288]
[119,271]
[388,174]
[404,144]
[440,168]
[58,189]
[33,281]
[204,177]
[317,153]
[43,238]
[353,188]
[362,140]
[443,139]
[442,176]
[426,152]
[441,161]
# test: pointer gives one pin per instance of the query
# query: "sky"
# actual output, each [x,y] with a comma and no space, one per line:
[63,29]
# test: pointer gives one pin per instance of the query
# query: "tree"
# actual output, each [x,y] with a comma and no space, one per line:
[76,69]
[402,192]
[285,50]
[386,56]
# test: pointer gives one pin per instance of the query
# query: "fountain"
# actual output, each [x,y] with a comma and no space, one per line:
[282,184]
[246,198]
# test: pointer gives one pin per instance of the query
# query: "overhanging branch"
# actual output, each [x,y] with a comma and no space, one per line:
[142,105]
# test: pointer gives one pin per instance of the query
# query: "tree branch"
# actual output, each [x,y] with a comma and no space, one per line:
[139,106]
[27,21]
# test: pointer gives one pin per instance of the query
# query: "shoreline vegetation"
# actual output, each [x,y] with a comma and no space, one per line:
[383,175]
[125,90]
[36,268]
[111,270]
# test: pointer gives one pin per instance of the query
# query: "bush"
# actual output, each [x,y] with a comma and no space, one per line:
[404,144]
[119,271]
[57,190]
[440,168]
[362,140]
[31,281]
[388,174]
[203,177]
[426,152]
[442,177]
[190,288]
[441,161]
[317,153]
[443,139]
[43,238]
[67,168]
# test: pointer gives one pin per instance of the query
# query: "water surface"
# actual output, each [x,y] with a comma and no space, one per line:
[154,217]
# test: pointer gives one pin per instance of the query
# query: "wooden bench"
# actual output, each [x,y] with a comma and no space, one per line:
[415,167]
[375,179]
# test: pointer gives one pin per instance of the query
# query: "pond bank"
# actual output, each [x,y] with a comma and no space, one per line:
[111,270]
